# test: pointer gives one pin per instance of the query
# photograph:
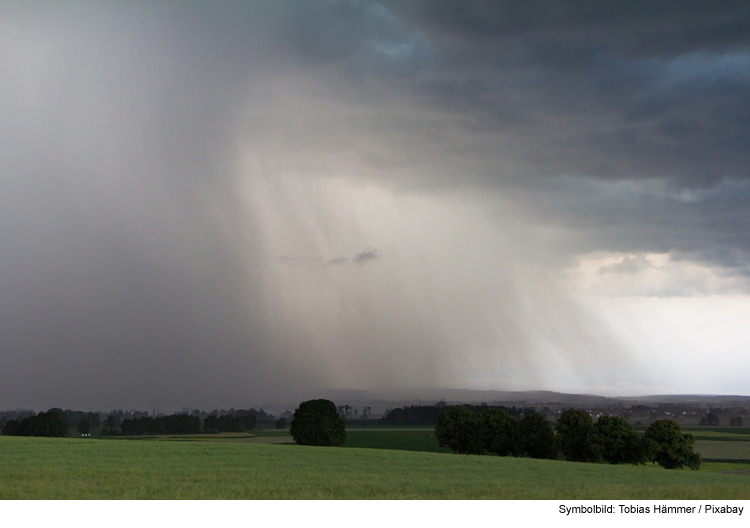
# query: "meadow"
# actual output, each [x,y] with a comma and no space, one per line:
[245,466]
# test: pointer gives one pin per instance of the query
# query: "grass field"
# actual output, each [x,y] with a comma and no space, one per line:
[722,450]
[238,469]
[406,439]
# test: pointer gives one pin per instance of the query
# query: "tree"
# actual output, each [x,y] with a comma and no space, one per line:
[249,421]
[211,424]
[83,426]
[710,420]
[499,431]
[94,419]
[460,429]
[317,423]
[574,431]
[280,423]
[669,447]
[536,438]
[12,428]
[616,442]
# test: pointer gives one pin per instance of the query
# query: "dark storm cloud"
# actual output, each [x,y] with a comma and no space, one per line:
[363,36]
[703,225]
[605,90]
[634,29]
[562,95]
[143,265]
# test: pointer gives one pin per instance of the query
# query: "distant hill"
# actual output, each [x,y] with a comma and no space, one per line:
[382,399]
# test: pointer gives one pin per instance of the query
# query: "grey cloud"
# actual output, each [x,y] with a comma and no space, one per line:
[627,265]
[606,91]
[634,29]
[647,216]
[368,255]
[338,261]
[363,36]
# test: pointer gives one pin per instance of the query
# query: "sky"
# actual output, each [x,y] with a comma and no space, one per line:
[224,204]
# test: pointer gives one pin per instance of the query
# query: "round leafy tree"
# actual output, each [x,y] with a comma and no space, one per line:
[460,429]
[500,432]
[574,431]
[536,437]
[617,442]
[669,447]
[317,423]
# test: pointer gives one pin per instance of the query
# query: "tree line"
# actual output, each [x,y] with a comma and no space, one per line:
[50,423]
[429,414]
[230,424]
[172,424]
[575,437]
[186,424]
[53,423]
[112,419]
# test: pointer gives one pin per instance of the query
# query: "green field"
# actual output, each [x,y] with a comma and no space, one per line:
[722,443]
[731,444]
[231,467]
[403,438]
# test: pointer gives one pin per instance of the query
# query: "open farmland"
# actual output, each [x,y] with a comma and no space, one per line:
[723,450]
[402,438]
[722,443]
[44,468]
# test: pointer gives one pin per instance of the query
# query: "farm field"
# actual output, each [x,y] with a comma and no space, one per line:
[722,443]
[726,434]
[717,444]
[730,444]
[256,437]
[49,468]
[404,438]
[723,450]
[713,444]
